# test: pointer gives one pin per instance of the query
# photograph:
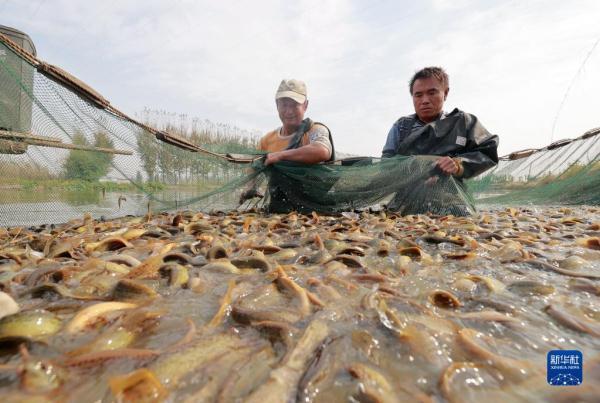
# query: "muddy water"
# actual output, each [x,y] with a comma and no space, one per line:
[247,307]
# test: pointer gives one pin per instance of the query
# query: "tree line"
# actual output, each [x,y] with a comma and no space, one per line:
[88,165]
[161,162]
[164,163]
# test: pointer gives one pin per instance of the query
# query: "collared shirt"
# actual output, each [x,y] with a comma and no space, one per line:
[419,123]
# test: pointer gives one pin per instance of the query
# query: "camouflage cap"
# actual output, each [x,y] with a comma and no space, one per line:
[294,89]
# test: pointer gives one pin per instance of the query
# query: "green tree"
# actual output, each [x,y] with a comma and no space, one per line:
[88,165]
[103,160]
[148,148]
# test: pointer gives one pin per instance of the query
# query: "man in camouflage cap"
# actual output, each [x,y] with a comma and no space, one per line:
[298,139]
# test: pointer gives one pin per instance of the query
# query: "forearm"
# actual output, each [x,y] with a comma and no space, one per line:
[253,172]
[480,158]
[475,163]
[391,143]
[251,184]
[250,189]
[481,152]
[308,154]
[389,150]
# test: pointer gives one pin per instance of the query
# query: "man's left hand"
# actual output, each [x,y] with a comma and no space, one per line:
[250,193]
[447,165]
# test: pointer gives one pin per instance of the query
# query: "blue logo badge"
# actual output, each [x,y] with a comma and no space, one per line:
[565,367]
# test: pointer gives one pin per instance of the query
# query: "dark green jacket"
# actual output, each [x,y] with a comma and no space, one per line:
[458,134]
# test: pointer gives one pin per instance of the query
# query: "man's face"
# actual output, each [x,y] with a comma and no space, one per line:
[291,112]
[428,98]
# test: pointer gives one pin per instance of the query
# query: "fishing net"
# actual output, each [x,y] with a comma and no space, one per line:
[65,151]
[565,172]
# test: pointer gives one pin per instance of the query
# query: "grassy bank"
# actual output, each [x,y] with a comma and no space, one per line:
[76,185]
[30,185]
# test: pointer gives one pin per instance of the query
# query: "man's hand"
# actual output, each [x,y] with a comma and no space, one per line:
[273,158]
[250,194]
[447,165]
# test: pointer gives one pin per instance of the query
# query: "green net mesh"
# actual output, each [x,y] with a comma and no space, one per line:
[566,172]
[65,151]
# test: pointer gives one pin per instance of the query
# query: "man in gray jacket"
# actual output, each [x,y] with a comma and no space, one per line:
[465,148]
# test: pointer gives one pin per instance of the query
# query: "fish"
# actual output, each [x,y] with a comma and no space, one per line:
[248,306]
[283,380]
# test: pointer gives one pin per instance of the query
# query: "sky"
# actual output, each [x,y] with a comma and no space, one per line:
[529,70]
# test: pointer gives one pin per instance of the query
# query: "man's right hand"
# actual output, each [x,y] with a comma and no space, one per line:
[274,157]
[250,194]
[447,165]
